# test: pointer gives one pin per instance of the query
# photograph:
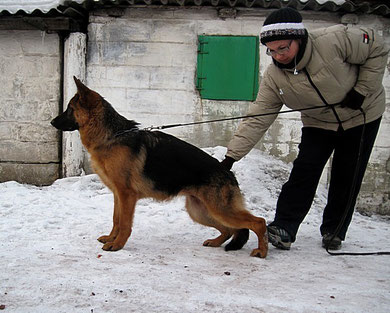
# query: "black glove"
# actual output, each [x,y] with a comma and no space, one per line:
[227,163]
[353,100]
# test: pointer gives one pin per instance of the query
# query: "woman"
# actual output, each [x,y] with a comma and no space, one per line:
[339,67]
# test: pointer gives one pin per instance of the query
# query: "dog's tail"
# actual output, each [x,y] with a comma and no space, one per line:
[239,240]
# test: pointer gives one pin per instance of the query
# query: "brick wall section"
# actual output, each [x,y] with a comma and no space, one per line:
[143,61]
[29,80]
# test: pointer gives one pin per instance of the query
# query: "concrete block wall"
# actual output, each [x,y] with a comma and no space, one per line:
[143,61]
[29,98]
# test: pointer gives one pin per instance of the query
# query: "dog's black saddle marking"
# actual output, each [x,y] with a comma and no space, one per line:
[173,164]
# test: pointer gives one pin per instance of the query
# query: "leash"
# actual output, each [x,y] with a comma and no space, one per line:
[150,128]
[350,198]
[233,118]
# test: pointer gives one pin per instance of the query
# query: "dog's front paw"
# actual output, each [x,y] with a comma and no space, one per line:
[112,246]
[260,253]
[105,239]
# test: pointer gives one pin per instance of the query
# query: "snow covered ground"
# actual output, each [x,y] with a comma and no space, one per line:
[52,262]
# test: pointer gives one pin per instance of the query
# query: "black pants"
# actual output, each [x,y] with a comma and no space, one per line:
[315,149]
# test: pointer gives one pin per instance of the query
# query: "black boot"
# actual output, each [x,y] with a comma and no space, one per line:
[279,237]
[331,243]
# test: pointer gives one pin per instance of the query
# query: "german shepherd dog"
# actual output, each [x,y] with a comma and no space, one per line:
[136,164]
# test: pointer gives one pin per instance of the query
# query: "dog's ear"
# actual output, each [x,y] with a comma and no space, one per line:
[87,97]
[81,88]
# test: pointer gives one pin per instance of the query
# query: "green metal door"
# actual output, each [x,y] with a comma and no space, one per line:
[228,67]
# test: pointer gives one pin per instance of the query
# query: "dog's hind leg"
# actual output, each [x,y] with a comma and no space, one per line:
[126,205]
[228,209]
[198,212]
[244,219]
[115,228]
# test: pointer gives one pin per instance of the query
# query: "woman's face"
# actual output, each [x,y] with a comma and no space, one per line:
[283,51]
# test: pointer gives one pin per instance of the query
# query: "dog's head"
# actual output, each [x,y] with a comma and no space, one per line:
[78,110]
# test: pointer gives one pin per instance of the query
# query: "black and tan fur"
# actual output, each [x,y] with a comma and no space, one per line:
[138,164]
